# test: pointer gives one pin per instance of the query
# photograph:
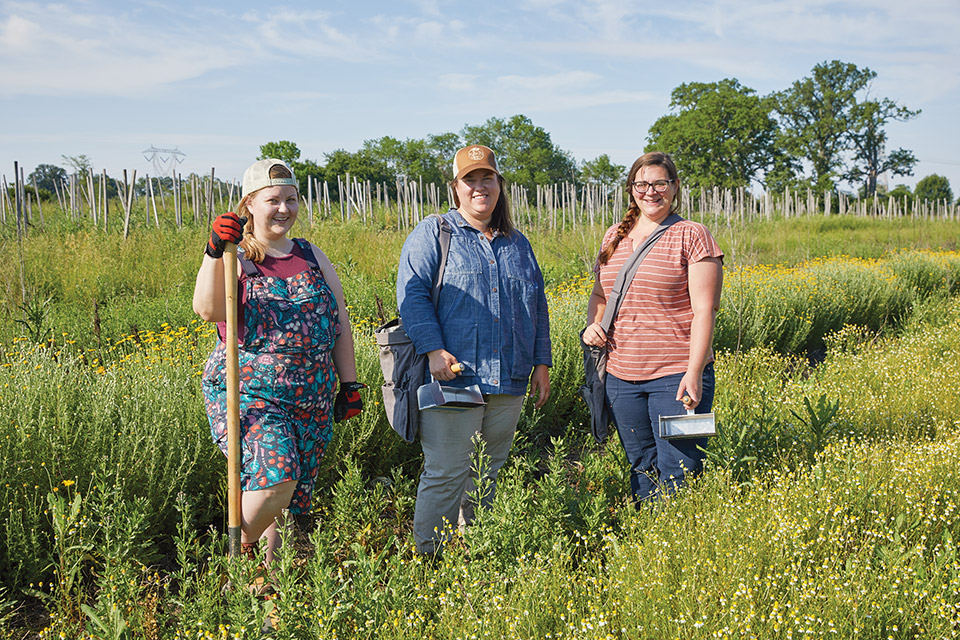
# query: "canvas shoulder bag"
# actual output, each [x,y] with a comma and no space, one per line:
[593,391]
[403,368]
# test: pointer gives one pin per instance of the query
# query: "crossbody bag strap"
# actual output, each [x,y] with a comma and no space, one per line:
[629,270]
[444,237]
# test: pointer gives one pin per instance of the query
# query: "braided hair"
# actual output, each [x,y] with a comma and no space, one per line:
[655,159]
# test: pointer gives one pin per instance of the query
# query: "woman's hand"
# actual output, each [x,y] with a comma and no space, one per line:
[540,385]
[689,390]
[594,335]
[441,361]
[227,227]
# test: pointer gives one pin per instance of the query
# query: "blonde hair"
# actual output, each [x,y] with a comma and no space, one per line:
[253,249]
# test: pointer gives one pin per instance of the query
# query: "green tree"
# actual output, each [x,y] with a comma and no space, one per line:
[409,159]
[785,173]
[80,164]
[289,152]
[362,165]
[817,113]
[444,146]
[722,134]
[601,171]
[933,187]
[284,150]
[525,153]
[34,194]
[48,176]
[900,193]
[868,142]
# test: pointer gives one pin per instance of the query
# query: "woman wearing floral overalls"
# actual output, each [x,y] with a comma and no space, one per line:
[294,341]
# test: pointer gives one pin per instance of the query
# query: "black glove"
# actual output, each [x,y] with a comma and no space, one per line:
[227,227]
[348,402]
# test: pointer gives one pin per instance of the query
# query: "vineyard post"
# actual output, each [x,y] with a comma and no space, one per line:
[163,203]
[310,200]
[21,231]
[340,196]
[91,197]
[127,201]
[25,213]
[195,196]
[153,199]
[103,198]
[346,187]
[177,212]
[326,201]
[3,200]
[36,192]
[210,197]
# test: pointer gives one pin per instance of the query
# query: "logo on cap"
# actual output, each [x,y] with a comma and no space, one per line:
[475,154]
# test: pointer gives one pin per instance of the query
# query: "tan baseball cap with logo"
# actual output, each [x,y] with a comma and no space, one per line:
[257,176]
[476,156]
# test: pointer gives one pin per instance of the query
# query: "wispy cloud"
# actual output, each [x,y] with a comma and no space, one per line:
[309,34]
[539,93]
[58,49]
[424,66]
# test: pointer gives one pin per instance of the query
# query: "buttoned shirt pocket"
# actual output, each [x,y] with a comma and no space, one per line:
[519,278]
[523,293]
[464,257]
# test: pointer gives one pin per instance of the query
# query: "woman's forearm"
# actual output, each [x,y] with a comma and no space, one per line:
[344,356]
[701,340]
[209,297]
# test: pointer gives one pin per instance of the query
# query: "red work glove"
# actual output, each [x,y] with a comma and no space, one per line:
[348,402]
[227,227]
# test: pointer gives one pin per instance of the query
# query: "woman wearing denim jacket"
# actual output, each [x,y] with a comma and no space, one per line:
[491,317]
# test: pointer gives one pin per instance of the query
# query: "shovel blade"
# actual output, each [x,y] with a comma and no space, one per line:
[433,395]
[694,425]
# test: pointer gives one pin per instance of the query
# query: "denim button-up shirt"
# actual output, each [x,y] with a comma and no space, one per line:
[492,311]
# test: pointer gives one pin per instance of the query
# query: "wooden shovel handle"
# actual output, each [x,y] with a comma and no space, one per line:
[233,399]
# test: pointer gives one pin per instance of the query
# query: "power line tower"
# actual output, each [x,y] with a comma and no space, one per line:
[164,161]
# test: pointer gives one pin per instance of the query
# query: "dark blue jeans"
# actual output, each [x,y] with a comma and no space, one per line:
[657,466]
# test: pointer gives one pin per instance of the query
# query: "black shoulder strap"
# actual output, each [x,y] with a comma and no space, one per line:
[307,250]
[444,236]
[629,270]
[250,268]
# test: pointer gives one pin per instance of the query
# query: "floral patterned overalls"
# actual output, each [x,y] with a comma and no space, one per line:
[287,379]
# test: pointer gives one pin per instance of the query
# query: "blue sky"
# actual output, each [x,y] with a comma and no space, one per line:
[217,80]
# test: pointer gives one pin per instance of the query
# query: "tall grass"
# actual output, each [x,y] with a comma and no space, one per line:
[95,286]
[791,309]
[822,482]
[134,425]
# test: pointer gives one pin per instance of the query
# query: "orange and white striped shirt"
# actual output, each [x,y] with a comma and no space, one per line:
[650,337]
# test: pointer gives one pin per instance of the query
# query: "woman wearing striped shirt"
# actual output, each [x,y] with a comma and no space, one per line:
[659,347]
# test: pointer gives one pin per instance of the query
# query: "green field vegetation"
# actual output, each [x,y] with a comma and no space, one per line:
[830,505]
[98,287]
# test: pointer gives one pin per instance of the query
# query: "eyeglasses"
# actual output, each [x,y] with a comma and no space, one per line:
[659,186]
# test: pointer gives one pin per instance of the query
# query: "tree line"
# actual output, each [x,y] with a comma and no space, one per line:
[823,130]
